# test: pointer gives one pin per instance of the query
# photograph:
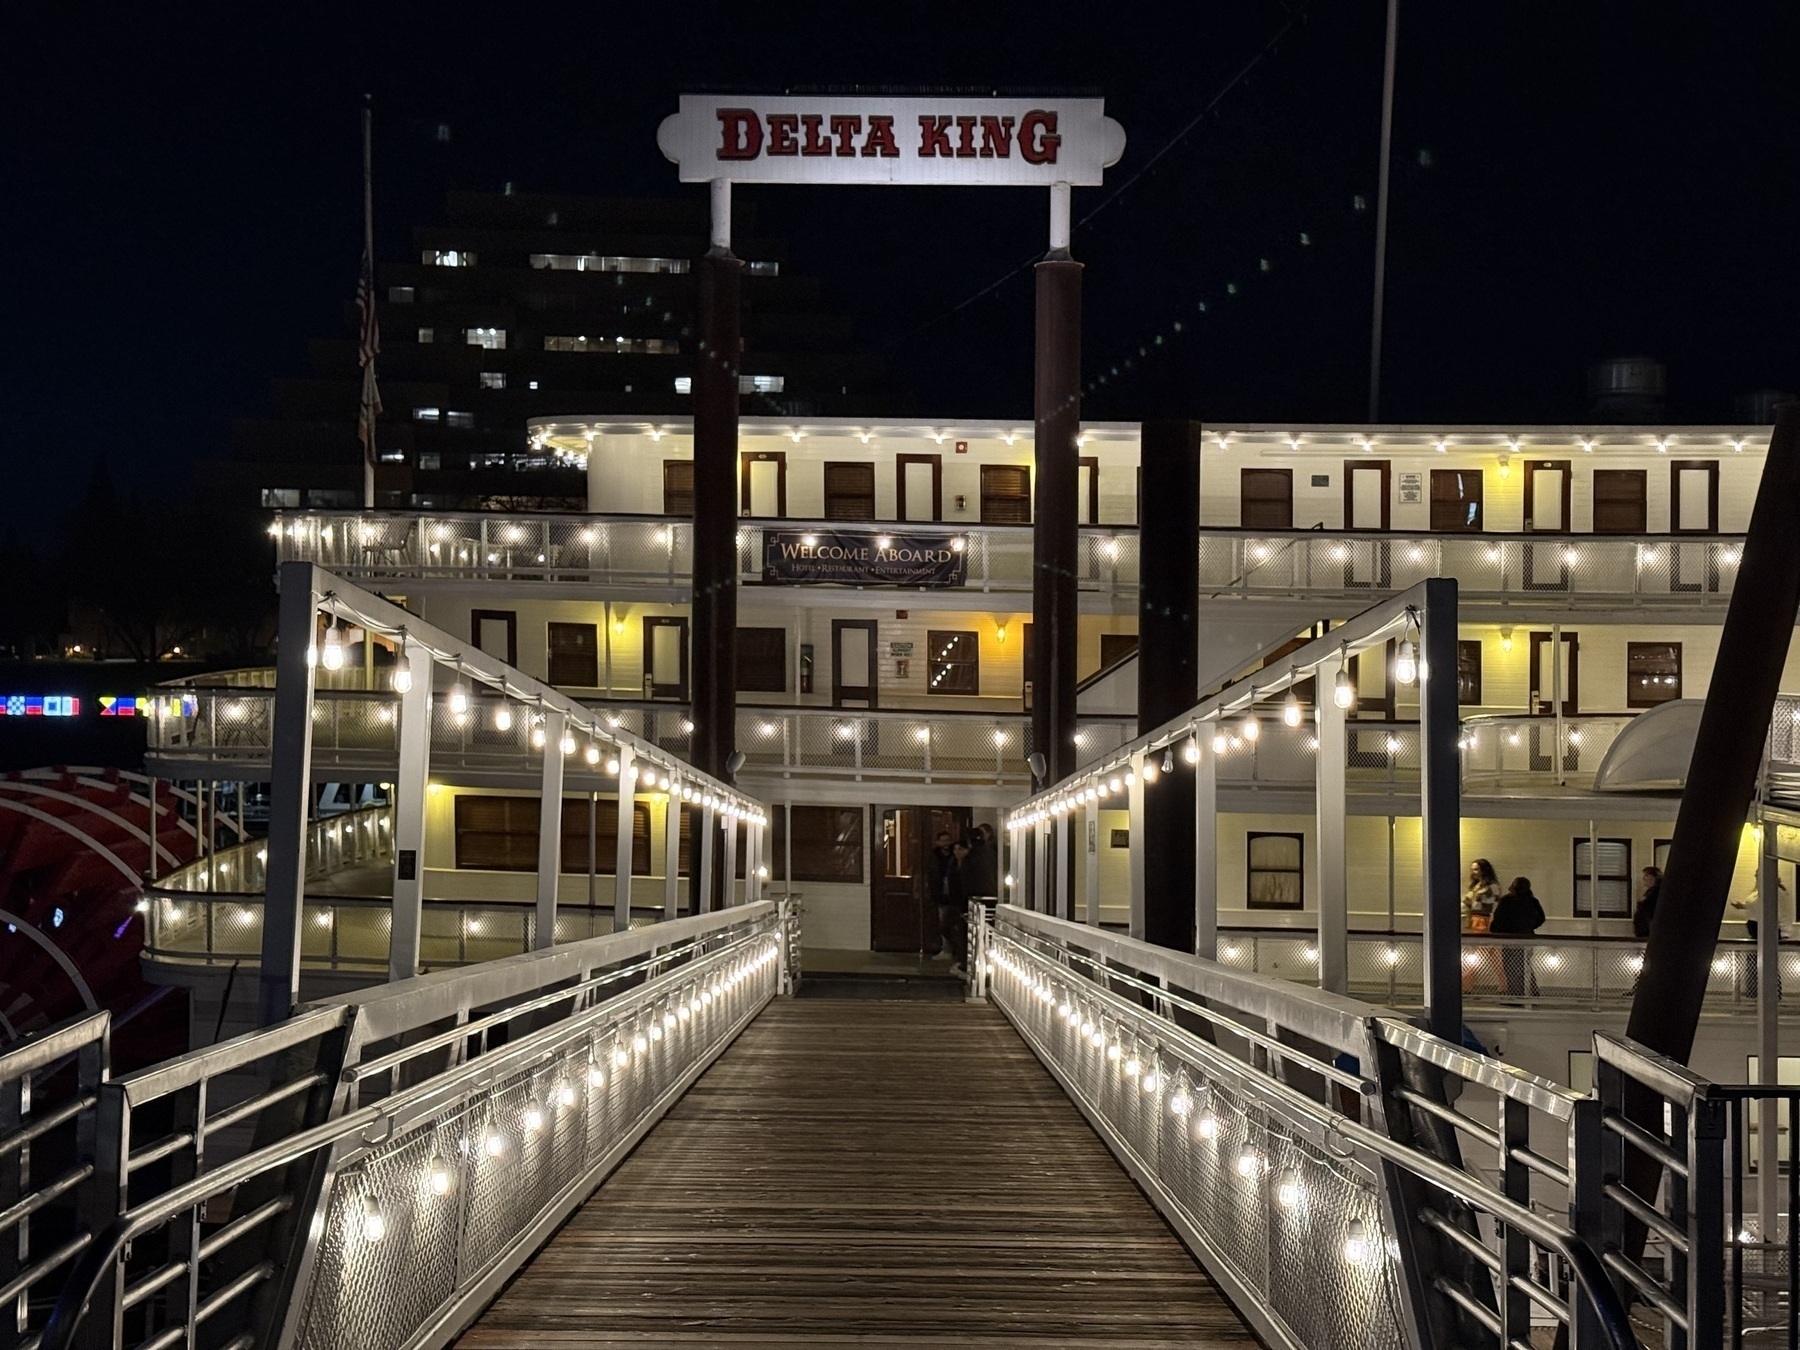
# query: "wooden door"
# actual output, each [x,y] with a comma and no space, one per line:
[763,484]
[1087,490]
[666,657]
[1366,509]
[919,487]
[849,491]
[1456,501]
[1621,501]
[1266,499]
[854,677]
[902,911]
[1547,512]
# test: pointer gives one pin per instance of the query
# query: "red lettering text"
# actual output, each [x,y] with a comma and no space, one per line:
[965,138]
[782,127]
[814,143]
[934,137]
[845,129]
[1038,140]
[881,138]
[996,137]
[741,134]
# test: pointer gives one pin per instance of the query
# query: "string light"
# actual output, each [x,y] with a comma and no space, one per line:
[374,1226]
[503,717]
[1168,761]
[1191,751]
[1252,728]
[332,657]
[1356,1244]
[403,676]
[459,698]
[1406,662]
[439,1180]
[1343,693]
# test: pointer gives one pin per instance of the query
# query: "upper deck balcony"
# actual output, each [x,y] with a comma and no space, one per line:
[651,557]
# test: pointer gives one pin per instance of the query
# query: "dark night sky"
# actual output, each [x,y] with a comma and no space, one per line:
[1572,180]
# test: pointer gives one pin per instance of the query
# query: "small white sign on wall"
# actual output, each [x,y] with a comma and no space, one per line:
[1412,489]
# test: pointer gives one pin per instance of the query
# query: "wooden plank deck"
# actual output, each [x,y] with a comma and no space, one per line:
[867,1173]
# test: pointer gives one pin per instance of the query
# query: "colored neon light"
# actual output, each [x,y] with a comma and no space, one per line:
[143,705]
[40,705]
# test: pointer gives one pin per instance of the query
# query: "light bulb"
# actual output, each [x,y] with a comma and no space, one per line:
[592,754]
[538,738]
[1249,1163]
[402,678]
[1252,728]
[1169,761]
[1406,662]
[565,1095]
[1356,1244]
[332,657]
[459,698]
[568,744]
[596,1075]
[1191,751]
[612,766]
[440,1179]
[1220,742]
[621,1057]
[1180,1103]
[374,1227]
[534,1119]
[1343,693]
[1290,710]
[495,1144]
[1152,1081]
[1207,1127]
[503,718]
[1287,1189]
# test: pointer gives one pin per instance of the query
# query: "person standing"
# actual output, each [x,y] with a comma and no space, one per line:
[1478,904]
[981,869]
[943,860]
[1518,913]
[1649,892]
[953,910]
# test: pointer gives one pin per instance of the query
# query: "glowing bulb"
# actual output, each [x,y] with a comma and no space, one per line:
[1191,751]
[1252,728]
[1168,764]
[568,744]
[1343,693]
[503,718]
[639,1044]
[1207,1127]
[374,1227]
[459,698]
[494,1144]
[1180,1103]
[1356,1245]
[1406,663]
[439,1180]
[1132,1067]
[332,657]
[565,1095]
[534,1119]
[1152,1081]
[1290,710]
[596,1075]
[1287,1189]
[612,766]
[621,1057]
[592,755]
[1249,1163]
[402,678]
[1220,743]
[538,738]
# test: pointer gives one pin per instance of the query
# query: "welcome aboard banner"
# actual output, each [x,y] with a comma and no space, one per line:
[859,558]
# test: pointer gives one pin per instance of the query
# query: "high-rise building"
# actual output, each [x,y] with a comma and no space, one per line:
[519,305]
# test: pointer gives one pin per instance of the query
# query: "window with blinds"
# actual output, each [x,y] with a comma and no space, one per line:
[575,655]
[500,834]
[827,843]
[762,660]
[1274,870]
[678,487]
[1005,494]
[849,492]
[1603,870]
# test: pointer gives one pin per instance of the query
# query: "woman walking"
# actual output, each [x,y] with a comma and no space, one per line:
[1518,913]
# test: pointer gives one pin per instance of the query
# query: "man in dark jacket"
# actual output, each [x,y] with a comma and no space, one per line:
[981,869]
[1519,913]
[953,909]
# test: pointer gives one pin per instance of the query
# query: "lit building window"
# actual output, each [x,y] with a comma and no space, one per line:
[426,414]
[493,379]
[428,335]
[429,459]
[955,662]
[393,456]
[400,295]
[532,385]
[281,496]
[601,262]
[447,257]
[612,345]
[494,339]
[747,384]
[463,420]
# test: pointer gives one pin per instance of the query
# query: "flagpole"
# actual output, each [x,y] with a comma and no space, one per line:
[1381,209]
[370,400]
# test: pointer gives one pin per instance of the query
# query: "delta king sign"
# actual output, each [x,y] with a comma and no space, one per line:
[944,141]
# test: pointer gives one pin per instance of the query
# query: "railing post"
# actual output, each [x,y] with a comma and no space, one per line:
[1065,868]
[1331,797]
[1134,837]
[1440,809]
[672,854]
[1514,1125]
[1589,1143]
[1706,1118]
[703,897]
[549,858]
[1040,866]
[410,786]
[290,795]
[1206,852]
[728,875]
[624,835]
[1090,883]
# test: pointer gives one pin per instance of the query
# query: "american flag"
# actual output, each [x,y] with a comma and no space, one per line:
[368,342]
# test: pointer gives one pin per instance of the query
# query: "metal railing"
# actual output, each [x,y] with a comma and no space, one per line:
[1651,571]
[643,552]
[362,837]
[1505,750]
[1536,971]
[416,1144]
[1307,1149]
[50,1208]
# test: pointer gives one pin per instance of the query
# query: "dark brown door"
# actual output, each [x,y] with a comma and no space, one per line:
[919,487]
[1266,499]
[1620,501]
[854,679]
[849,491]
[1456,501]
[1087,489]
[1544,678]
[763,485]
[902,910]
[1547,512]
[666,656]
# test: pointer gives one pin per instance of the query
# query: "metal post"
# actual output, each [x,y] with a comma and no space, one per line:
[1090,888]
[728,895]
[290,793]
[1768,1040]
[624,833]
[718,281]
[549,859]
[1440,810]
[1331,798]
[1065,871]
[1381,209]
[704,902]
[411,785]
[1206,854]
[672,855]
[1055,535]
[1135,853]
[1040,867]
